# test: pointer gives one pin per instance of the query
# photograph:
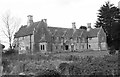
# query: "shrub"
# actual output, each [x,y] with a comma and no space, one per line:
[90,65]
[112,50]
[48,73]
[72,58]
[10,52]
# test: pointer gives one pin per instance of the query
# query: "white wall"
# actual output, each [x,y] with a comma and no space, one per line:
[103,46]
[24,42]
[32,42]
[93,42]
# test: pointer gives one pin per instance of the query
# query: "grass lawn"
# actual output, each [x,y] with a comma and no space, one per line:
[77,59]
[83,54]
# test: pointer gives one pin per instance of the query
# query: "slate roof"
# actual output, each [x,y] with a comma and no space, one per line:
[24,30]
[42,40]
[55,31]
[69,33]
[77,33]
[93,32]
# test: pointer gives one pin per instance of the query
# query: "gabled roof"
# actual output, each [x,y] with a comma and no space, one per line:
[77,33]
[57,31]
[69,33]
[93,32]
[24,30]
[43,40]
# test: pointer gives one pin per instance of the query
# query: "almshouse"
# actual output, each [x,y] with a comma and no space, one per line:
[39,37]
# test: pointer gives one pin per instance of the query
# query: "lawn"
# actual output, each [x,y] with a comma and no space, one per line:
[82,54]
[85,62]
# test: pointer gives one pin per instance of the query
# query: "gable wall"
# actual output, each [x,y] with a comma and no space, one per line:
[93,43]
[40,31]
[24,44]
[102,40]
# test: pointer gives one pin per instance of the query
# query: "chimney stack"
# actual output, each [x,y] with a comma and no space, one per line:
[88,26]
[74,26]
[30,20]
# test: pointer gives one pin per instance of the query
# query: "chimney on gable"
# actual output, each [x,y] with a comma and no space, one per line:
[30,20]
[74,26]
[89,26]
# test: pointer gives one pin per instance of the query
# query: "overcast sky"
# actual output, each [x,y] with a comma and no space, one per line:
[59,13]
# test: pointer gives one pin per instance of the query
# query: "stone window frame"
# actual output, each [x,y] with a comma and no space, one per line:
[43,46]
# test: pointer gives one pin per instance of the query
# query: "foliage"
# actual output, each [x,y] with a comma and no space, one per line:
[88,65]
[109,19]
[48,73]
[38,66]
[10,25]
[104,65]
[10,52]
[83,27]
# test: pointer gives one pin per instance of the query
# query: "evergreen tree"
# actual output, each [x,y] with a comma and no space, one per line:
[108,18]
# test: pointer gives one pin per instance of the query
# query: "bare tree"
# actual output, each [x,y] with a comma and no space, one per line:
[10,25]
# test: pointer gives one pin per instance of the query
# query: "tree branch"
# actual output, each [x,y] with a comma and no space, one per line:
[5,33]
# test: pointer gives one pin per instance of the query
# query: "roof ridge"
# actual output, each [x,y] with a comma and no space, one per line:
[57,27]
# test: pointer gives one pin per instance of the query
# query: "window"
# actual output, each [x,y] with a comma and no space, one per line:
[89,46]
[66,47]
[42,46]
[56,47]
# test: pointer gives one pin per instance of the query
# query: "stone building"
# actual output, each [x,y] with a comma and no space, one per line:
[39,37]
